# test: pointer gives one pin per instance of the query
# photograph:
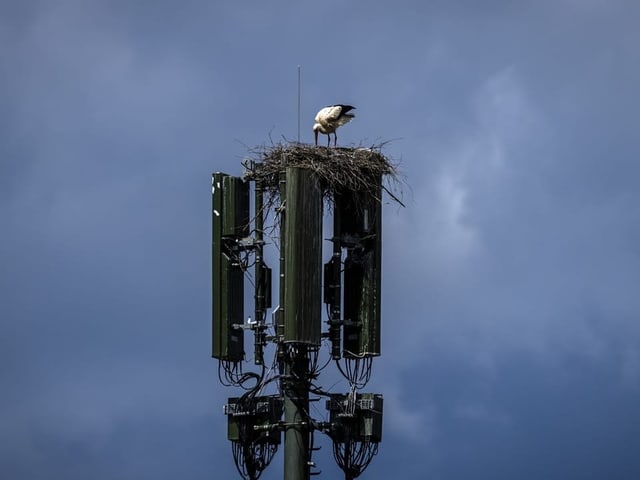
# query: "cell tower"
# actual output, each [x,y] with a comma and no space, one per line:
[290,186]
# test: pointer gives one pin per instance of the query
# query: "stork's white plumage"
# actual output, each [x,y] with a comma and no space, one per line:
[329,119]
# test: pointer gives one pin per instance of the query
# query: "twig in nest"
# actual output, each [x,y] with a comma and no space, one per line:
[357,169]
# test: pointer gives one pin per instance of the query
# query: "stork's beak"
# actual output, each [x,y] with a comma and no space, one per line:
[315,133]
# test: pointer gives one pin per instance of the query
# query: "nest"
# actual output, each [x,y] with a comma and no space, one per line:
[339,169]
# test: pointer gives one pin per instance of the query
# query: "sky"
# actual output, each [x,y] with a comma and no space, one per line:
[510,307]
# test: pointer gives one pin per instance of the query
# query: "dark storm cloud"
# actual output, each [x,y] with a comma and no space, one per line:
[510,303]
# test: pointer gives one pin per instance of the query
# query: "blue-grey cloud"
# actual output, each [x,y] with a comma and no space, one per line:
[510,342]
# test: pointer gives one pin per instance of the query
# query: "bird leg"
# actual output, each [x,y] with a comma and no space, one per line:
[335,139]
[328,139]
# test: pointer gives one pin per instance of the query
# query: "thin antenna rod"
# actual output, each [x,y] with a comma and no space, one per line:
[299,103]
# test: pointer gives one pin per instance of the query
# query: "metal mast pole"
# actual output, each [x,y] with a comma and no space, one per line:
[301,243]
[296,407]
[299,95]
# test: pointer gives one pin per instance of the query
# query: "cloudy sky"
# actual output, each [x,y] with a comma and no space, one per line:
[511,282]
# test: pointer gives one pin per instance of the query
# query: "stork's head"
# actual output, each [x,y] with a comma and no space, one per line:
[316,129]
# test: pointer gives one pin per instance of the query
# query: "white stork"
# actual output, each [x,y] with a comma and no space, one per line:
[329,119]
